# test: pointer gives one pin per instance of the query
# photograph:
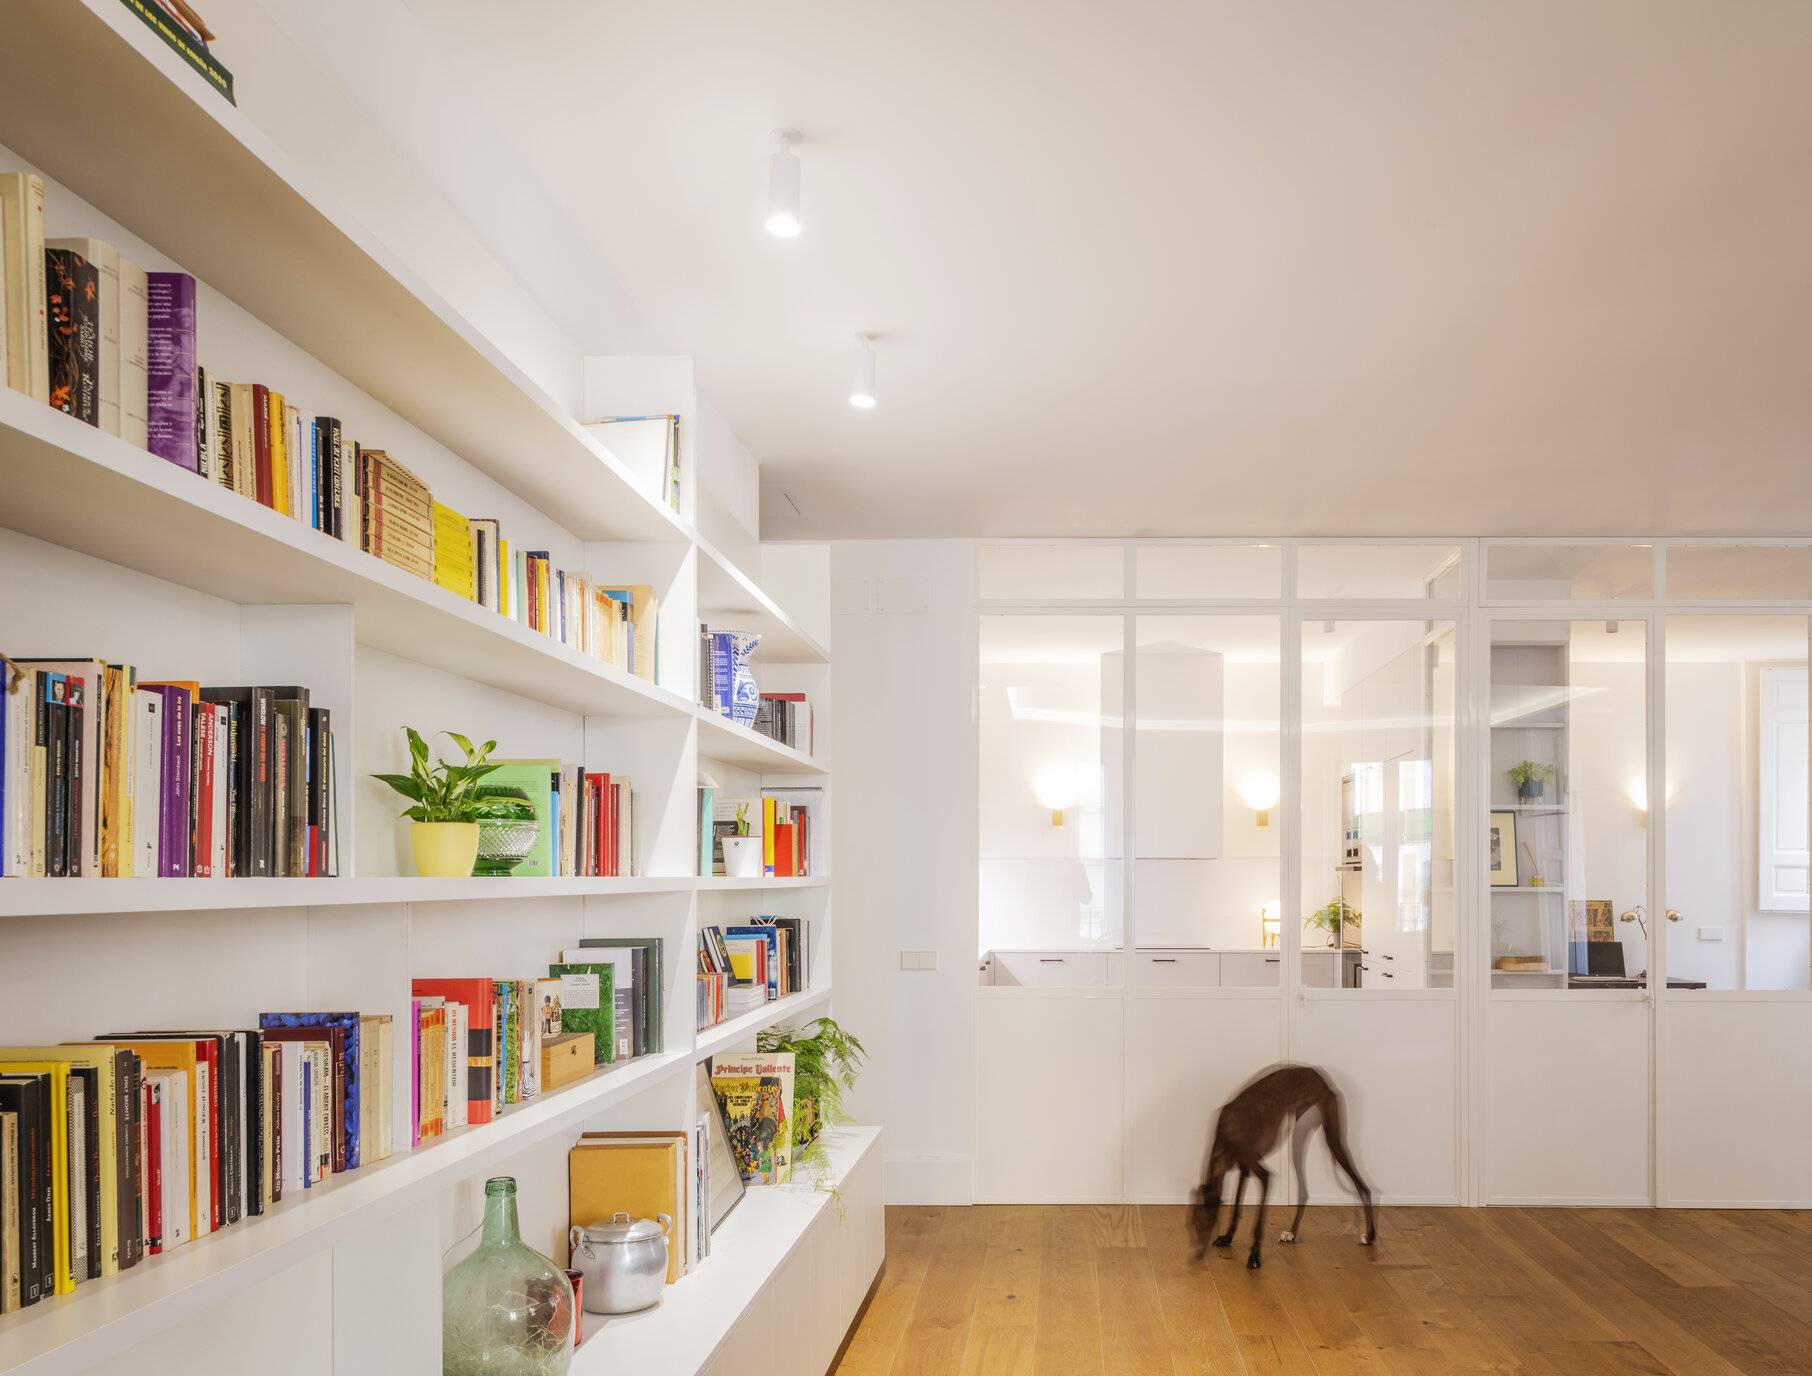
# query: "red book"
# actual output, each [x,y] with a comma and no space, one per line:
[261,442]
[480,999]
[785,854]
[598,787]
[154,1169]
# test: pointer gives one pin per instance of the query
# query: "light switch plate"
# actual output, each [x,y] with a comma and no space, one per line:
[1711,934]
[918,960]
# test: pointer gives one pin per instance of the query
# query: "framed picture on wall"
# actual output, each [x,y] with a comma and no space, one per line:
[1503,850]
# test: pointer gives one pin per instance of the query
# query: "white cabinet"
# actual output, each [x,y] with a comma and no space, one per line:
[1177,969]
[1054,969]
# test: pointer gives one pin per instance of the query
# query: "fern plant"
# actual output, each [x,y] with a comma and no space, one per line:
[827,1057]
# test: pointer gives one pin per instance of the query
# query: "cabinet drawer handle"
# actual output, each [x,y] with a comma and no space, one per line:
[1271,960]
[1050,960]
[1390,957]
[1163,960]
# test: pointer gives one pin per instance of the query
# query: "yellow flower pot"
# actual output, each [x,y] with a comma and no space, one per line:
[444,850]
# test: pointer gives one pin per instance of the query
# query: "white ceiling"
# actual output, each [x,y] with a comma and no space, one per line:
[1285,266]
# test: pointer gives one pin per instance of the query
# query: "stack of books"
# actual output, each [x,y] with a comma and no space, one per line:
[135,1143]
[742,967]
[787,718]
[396,514]
[610,988]
[105,774]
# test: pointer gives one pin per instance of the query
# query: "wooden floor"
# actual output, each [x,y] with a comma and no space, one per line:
[1086,1291]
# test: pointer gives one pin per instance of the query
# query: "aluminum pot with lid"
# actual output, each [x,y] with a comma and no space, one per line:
[624,1262]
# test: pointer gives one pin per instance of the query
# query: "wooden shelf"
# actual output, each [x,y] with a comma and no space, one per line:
[695,1315]
[729,600]
[72,485]
[154,148]
[72,897]
[104,1320]
[727,1036]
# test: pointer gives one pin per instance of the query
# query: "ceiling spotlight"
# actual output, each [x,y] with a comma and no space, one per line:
[862,389]
[783,186]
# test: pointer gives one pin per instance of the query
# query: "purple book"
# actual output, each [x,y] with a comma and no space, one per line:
[170,359]
[173,823]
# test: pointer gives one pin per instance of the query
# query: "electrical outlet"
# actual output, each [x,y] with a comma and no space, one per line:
[1711,934]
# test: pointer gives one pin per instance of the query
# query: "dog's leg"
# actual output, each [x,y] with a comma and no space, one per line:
[1299,1151]
[1239,1198]
[1258,1226]
[1344,1159]
[1205,1214]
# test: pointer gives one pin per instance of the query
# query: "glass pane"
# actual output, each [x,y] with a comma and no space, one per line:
[1042,573]
[1378,571]
[1202,571]
[1762,572]
[1737,849]
[1568,855]
[1377,804]
[1205,801]
[1051,823]
[1559,573]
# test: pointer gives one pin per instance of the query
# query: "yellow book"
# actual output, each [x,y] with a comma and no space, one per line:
[101,1058]
[503,578]
[61,1255]
[541,595]
[641,1174]
[279,456]
[176,1055]
[116,767]
[767,835]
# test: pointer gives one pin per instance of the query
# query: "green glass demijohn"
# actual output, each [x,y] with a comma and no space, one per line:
[506,1310]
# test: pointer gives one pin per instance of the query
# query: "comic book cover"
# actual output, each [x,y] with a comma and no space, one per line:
[756,1092]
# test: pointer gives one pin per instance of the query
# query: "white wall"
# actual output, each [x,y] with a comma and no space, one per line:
[905,853]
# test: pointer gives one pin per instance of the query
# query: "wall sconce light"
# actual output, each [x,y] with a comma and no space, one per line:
[1258,791]
[1057,786]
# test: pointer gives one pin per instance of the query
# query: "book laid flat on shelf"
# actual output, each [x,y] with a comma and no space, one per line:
[185,39]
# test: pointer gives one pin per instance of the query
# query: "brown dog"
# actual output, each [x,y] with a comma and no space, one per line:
[1247,1131]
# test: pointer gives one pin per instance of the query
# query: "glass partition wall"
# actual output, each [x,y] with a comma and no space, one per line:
[1555,715]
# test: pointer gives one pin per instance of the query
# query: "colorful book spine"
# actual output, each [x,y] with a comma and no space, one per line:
[170,368]
[72,298]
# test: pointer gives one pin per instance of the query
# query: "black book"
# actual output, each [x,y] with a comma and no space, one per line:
[251,1133]
[28,1095]
[76,699]
[72,294]
[53,727]
[90,1077]
[291,704]
[255,779]
[320,781]
[128,1115]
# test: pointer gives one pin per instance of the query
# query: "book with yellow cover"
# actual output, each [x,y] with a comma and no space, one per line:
[62,1264]
[279,456]
[102,1060]
[641,1174]
[454,567]
[180,1056]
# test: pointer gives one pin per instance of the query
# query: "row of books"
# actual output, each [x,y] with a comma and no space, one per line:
[106,774]
[787,718]
[135,1143]
[585,819]
[100,338]
[742,967]
[782,818]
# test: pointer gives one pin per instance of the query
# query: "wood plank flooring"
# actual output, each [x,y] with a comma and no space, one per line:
[1048,1290]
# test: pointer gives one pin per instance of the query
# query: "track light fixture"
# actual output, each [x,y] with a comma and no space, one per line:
[783,186]
[862,389]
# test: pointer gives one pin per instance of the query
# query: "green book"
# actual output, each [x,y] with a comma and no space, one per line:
[537,779]
[653,1025]
[588,1003]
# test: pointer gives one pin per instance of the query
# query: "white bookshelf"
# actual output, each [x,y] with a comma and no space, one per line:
[115,553]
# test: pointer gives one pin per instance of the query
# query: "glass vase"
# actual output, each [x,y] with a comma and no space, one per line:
[506,1310]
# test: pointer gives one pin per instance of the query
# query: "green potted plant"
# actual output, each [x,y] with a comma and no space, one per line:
[742,852]
[826,1060]
[1334,917]
[444,805]
[1529,776]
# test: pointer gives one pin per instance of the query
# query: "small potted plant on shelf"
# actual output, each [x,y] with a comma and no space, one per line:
[742,851]
[445,805]
[826,1060]
[1529,777]
[1334,917]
